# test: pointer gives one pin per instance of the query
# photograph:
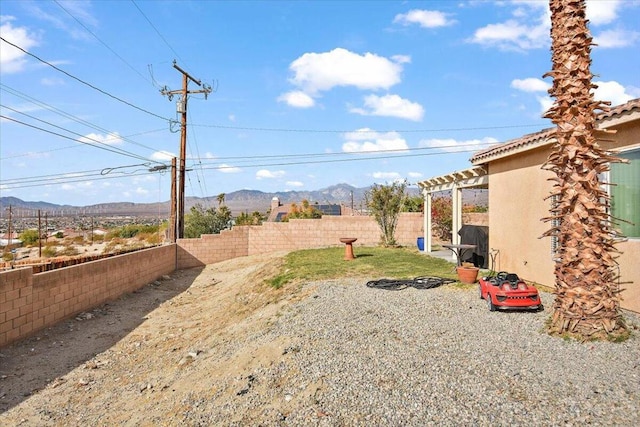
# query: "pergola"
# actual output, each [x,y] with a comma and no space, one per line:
[475,177]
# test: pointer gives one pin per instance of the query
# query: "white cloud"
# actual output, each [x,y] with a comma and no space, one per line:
[317,72]
[390,106]
[267,174]
[545,102]
[225,168]
[424,18]
[530,23]
[142,191]
[454,146]
[530,85]
[414,175]
[611,91]
[513,35]
[163,156]
[366,140]
[231,117]
[297,99]
[66,22]
[401,59]
[616,38]
[294,184]
[634,91]
[51,82]
[392,176]
[13,60]
[108,139]
[602,12]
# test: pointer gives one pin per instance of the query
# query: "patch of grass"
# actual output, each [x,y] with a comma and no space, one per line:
[371,263]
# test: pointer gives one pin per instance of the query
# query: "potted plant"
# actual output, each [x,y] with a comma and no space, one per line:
[467,273]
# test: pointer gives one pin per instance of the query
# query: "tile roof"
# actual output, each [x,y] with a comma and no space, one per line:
[543,137]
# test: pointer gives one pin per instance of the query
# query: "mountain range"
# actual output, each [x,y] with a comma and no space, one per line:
[238,201]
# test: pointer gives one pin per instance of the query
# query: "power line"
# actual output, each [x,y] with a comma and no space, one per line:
[84,82]
[343,160]
[103,43]
[46,106]
[71,180]
[106,148]
[368,131]
[157,32]
[359,153]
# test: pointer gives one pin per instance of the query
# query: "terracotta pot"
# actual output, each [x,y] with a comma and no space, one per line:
[468,274]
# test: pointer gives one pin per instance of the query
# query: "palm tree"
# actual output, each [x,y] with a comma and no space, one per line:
[587,303]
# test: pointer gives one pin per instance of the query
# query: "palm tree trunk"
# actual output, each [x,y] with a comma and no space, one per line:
[587,300]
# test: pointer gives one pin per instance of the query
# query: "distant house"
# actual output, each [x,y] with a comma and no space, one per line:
[518,199]
[279,210]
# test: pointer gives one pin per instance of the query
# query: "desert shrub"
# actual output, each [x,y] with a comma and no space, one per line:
[68,251]
[49,251]
[29,237]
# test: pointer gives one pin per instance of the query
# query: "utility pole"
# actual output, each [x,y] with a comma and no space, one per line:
[39,235]
[172,216]
[10,231]
[181,108]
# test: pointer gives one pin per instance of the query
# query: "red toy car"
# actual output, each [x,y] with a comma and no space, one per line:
[508,291]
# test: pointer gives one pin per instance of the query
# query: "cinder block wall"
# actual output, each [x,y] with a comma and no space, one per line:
[293,235]
[212,248]
[30,302]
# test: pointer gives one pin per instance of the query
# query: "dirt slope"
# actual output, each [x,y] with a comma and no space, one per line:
[140,360]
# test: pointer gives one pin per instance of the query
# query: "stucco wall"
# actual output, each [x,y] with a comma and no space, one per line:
[295,234]
[31,302]
[517,191]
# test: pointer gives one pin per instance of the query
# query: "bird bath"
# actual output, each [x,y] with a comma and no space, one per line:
[348,249]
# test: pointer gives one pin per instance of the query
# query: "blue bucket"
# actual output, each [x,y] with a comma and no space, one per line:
[420,243]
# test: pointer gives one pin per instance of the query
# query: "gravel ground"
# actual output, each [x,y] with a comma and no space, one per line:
[217,348]
[364,356]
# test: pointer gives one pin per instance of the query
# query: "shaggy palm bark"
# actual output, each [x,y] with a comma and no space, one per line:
[587,294]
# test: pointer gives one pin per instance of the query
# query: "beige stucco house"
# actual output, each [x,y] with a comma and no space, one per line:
[518,199]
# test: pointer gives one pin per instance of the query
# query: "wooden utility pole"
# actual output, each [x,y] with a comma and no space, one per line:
[181,108]
[172,216]
[39,235]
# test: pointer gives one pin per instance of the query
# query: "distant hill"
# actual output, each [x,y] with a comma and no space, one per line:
[238,201]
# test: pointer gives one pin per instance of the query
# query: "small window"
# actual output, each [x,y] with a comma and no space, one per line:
[625,193]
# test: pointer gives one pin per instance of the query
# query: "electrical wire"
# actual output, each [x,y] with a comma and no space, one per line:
[70,116]
[157,32]
[358,153]
[202,184]
[73,179]
[106,147]
[338,160]
[364,131]
[103,43]
[84,82]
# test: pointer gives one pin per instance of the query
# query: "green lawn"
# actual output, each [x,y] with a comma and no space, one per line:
[371,263]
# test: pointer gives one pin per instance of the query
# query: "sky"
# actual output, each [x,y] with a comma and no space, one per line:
[284,95]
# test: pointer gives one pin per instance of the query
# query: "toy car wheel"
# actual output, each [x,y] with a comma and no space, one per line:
[490,304]
[480,291]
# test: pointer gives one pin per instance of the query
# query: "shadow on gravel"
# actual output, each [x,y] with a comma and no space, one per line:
[30,365]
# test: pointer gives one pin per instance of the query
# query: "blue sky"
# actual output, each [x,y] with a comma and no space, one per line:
[304,94]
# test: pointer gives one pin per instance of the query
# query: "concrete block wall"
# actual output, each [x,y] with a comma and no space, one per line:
[30,302]
[212,248]
[293,235]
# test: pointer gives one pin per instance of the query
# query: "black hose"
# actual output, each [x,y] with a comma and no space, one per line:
[422,282]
